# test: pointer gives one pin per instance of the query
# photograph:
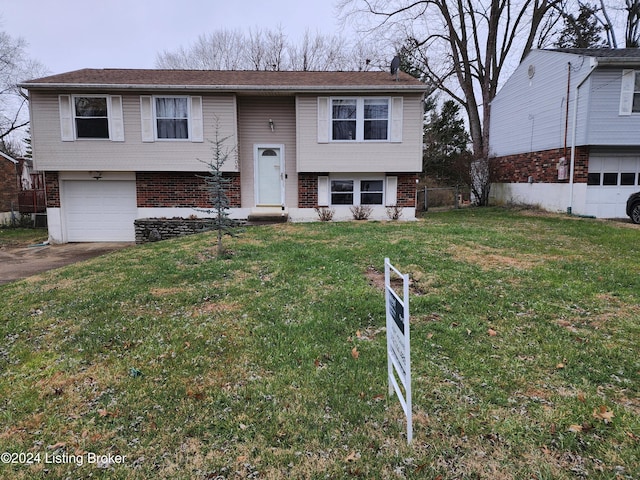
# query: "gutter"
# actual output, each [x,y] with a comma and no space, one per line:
[222,88]
[594,65]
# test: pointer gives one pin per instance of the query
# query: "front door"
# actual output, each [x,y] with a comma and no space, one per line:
[269,176]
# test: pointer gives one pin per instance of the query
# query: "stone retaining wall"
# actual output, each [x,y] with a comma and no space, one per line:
[155,229]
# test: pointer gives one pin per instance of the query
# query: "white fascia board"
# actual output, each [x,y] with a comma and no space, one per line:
[226,88]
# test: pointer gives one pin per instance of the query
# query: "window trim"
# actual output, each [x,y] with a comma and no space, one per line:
[360,119]
[75,117]
[155,119]
[357,189]
[67,112]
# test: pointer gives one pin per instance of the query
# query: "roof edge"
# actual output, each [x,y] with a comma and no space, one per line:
[221,88]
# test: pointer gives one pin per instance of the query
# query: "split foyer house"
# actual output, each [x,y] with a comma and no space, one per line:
[118,145]
[565,131]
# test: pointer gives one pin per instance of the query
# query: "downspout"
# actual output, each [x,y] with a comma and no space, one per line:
[594,64]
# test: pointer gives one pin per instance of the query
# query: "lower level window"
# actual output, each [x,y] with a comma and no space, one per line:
[356,192]
[371,192]
[342,192]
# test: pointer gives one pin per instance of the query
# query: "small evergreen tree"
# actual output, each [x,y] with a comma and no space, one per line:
[217,185]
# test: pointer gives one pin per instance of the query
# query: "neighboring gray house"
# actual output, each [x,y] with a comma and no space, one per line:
[565,129]
[117,145]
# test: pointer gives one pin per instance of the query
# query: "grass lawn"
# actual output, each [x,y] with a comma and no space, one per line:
[21,237]
[525,355]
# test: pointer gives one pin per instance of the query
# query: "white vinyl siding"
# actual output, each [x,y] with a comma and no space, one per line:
[402,152]
[131,154]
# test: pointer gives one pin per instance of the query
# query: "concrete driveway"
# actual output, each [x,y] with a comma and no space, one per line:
[22,262]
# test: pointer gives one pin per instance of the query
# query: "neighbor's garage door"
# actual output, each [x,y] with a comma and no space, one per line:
[610,181]
[99,211]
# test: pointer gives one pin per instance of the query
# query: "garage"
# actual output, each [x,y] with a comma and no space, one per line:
[610,181]
[99,210]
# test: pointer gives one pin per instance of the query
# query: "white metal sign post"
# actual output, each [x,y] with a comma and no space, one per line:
[398,344]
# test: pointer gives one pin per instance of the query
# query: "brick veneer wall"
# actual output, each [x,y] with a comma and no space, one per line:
[407,190]
[178,189]
[308,189]
[542,166]
[52,186]
[8,186]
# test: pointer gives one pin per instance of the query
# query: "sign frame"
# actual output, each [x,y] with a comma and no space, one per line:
[399,342]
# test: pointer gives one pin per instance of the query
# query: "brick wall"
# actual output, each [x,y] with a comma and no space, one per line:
[407,189]
[178,189]
[52,189]
[8,185]
[308,189]
[542,166]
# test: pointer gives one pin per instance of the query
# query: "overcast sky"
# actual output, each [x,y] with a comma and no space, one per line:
[67,35]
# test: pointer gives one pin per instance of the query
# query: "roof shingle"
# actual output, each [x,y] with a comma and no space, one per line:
[227,79]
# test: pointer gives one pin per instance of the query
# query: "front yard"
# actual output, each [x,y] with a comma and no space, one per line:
[162,361]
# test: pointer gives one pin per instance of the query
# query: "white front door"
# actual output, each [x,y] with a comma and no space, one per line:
[269,176]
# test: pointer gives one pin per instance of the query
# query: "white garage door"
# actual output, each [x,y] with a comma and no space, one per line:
[99,211]
[610,181]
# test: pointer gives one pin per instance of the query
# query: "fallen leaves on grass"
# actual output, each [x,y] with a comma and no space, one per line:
[603,413]
[352,457]
[492,332]
[355,353]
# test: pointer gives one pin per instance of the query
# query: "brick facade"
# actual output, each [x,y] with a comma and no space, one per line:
[52,189]
[308,189]
[8,185]
[179,189]
[407,189]
[542,166]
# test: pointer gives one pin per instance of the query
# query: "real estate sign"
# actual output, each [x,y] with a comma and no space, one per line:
[398,344]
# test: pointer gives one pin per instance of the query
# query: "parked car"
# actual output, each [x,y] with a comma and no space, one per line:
[633,207]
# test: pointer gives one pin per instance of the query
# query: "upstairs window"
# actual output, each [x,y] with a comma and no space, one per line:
[91,117]
[360,119]
[376,119]
[172,118]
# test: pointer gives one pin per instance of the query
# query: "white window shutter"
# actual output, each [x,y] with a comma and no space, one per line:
[626,92]
[323,119]
[197,134]
[323,191]
[146,118]
[66,118]
[396,119]
[116,122]
[391,193]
